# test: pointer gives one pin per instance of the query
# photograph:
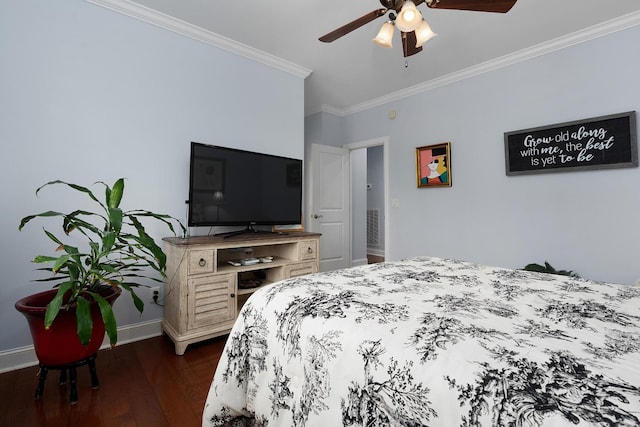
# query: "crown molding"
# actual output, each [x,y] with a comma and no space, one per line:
[150,16]
[596,31]
[153,17]
[325,108]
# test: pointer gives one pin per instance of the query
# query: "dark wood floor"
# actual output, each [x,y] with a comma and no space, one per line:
[141,384]
[373,259]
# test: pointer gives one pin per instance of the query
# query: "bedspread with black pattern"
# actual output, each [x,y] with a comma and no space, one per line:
[431,342]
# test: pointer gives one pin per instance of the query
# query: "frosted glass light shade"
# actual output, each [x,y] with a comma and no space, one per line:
[409,17]
[385,35]
[424,33]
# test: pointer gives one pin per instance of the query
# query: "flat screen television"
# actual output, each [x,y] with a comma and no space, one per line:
[232,187]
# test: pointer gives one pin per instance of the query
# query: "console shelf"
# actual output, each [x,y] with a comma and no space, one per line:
[202,293]
[277,262]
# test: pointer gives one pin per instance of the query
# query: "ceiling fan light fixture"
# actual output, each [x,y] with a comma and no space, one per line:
[409,17]
[385,35]
[424,33]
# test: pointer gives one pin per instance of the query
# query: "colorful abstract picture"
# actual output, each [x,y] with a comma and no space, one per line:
[434,165]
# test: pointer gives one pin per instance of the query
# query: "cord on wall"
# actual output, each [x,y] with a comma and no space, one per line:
[155,297]
[186,217]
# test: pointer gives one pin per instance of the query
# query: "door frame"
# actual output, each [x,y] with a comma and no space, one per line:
[384,142]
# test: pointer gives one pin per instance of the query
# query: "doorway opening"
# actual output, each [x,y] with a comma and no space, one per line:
[369,170]
[337,202]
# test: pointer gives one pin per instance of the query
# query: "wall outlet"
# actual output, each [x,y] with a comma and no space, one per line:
[154,295]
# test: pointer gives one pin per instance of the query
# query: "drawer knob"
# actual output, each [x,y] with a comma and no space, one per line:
[202,262]
[309,250]
[233,295]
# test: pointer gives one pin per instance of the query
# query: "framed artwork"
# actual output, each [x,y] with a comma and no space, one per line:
[433,165]
[604,142]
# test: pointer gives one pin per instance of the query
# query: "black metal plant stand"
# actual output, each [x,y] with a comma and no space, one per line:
[73,393]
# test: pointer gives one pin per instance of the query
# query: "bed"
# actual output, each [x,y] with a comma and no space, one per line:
[431,341]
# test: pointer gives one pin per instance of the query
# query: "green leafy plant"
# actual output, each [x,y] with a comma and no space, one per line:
[119,253]
[547,268]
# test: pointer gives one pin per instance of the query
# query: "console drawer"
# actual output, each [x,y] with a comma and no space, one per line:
[308,249]
[201,261]
[300,269]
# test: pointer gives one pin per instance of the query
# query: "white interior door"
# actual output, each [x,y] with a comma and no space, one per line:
[328,210]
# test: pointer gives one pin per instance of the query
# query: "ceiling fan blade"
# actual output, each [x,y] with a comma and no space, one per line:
[353,25]
[409,44]
[499,6]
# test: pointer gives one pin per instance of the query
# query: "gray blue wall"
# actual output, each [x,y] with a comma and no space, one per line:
[582,221]
[88,94]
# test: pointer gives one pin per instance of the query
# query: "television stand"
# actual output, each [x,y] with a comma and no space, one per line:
[248,230]
[205,288]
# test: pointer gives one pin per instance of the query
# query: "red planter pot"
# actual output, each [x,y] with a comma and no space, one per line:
[59,345]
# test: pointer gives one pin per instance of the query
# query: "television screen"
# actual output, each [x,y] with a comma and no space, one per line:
[235,187]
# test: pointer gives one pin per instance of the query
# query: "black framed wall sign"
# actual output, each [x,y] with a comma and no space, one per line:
[604,142]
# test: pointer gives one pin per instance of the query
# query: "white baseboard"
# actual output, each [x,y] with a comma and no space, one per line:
[356,262]
[23,357]
[376,252]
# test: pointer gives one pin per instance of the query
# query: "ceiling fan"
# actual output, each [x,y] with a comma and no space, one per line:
[405,16]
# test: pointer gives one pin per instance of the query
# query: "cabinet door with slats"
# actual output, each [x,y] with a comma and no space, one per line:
[211,300]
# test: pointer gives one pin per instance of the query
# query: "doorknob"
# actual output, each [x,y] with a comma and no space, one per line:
[316,216]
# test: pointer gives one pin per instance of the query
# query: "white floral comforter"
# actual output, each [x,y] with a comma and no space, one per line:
[435,342]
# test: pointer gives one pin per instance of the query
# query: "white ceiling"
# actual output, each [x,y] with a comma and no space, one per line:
[353,72]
